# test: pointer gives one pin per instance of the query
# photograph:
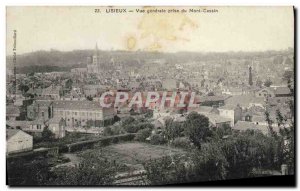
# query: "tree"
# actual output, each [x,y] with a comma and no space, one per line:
[89,98]
[166,170]
[92,170]
[23,88]
[220,132]
[157,139]
[182,142]
[209,163]
[247,150]
[23,172]
[127,121]
[196,128]
[108,131]
[47,135]
[173,130]
[268,83]
[143,134]
[149,113]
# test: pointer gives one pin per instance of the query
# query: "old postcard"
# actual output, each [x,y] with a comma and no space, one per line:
[144,96]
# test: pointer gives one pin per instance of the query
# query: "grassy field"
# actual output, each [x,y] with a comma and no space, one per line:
[133,154]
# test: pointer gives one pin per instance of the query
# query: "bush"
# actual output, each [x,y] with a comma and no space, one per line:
[107,131]
[128,121]
[115,140]
[143,134]
[131,128]
[47,135]
[102,142]
[134,128]
[157,140]
[181,142]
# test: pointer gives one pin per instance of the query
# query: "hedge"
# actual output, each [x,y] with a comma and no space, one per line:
[102,141]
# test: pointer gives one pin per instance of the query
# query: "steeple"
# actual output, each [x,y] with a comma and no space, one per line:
[250,76]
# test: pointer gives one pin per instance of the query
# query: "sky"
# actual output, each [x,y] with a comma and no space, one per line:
[228,29]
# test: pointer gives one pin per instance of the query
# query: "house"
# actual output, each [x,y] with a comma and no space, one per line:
[246,101]
[57,126]
[53,92]
[12,112]
[217,120]
[212,100]
[35,91]
[233,91]
[36,126]
[234,113]
[83,113]
[73,95]
[246,125]
[18,141]
[271,92]
[40,109]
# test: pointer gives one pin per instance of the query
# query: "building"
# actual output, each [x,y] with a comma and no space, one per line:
[94,62]
[58,127]
[250,76]
[52,92]
[40,109]
[18,141]
[212,100]
[12,112]
[234,113]
[271,92]
[233,91]
[217,120]
[246,125]
[83,113]
[246,101]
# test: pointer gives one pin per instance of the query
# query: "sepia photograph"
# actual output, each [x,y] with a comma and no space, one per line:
[150,95]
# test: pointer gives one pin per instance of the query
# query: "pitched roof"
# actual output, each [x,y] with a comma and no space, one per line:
[214,118]
[244,100]
[51,90]
[244,125]
[11,132]
[12,110]
[281,90]
[213,98]
[43,103]
[54,120]
[228,107]
[77,105]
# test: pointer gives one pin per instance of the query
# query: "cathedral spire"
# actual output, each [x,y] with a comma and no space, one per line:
[250,76]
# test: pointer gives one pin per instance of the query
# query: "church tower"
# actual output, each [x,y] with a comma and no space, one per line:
[96,55]
[250,76]
[93,62]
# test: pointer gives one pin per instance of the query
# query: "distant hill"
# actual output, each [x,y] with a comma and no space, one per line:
[54,60]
